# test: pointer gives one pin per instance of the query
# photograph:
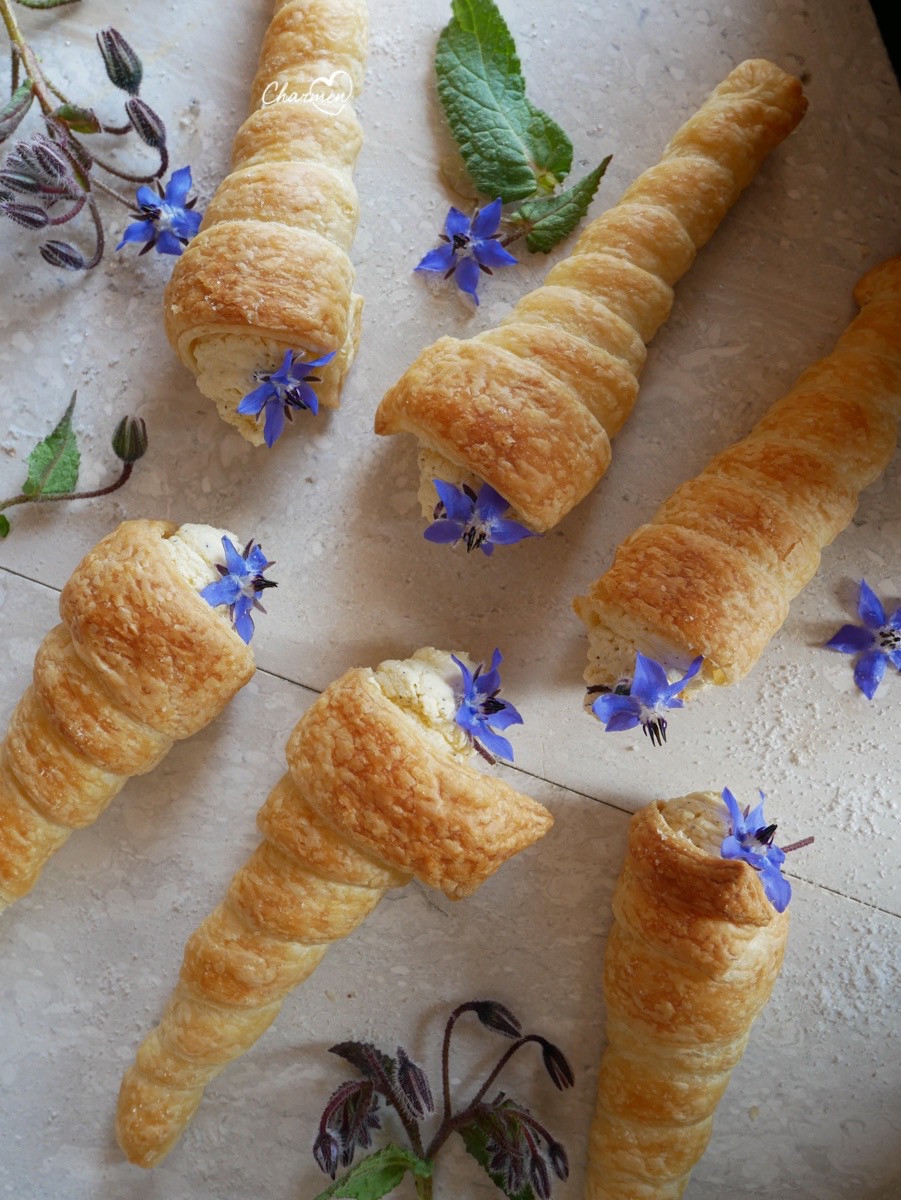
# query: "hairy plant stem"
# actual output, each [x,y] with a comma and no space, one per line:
[424,1187]
[127,469]
[43,90]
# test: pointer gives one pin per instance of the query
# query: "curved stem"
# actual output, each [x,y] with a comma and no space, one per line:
[42,88]
[107,190]
[104,165]
[73,212]
[98,250]
[424,1187]
[127,469]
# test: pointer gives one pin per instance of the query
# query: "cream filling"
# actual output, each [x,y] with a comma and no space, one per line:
[428,687]
[195,551]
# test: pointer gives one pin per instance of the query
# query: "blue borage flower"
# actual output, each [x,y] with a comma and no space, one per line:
[476,520]
[470,248]
[480,709]
[644,700]
[282,391]
[878,641]
[241,583]
[168,222]
[751,839]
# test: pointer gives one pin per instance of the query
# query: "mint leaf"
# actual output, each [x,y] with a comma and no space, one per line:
[511,148]
[53,463]
[549,219]
[15,109]
[4,526]
[377,1174]
[475,1139]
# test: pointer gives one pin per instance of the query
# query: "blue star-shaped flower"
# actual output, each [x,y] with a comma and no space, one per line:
[480,709]
[649,695]
[470,248]
[241,583]
[281,391]
[878,641]
[751,839]
[168,222]
[478,521]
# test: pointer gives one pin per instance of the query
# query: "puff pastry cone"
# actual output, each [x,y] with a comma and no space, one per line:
[530,407]
[372,798]
[269,270]
[714,570]
[139,661]
[694,952]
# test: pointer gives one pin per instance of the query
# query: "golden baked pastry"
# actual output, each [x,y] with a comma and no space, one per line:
[694,952]
[530,407]
[714,571]
[379,789]
[269,270]
[139,661]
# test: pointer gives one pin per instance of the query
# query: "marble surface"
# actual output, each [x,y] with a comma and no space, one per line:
[87,960]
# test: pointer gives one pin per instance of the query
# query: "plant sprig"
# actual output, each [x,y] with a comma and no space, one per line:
[514,153]
[54,463]
[47,180]
[513,1147]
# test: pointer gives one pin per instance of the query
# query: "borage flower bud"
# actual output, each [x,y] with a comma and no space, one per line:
[559,1159]
[497,1017]
[414,1084]
[22,182]
[61,254]
[539,1177]
[130,439]
[122,64]
[557,1065]
[145,122]
[325,1151]
[26,214]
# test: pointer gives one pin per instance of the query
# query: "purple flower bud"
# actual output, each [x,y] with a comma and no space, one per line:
[21,182]
[130,439]
[122,64]
[325,1151]
[145,122]
[556,1065]
[61,254]
[49,159]
[498,1017]
[559,1159]
[414,1084]
[27,215]
[539,1177]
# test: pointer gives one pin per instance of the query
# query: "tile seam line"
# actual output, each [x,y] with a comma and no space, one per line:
[517,770]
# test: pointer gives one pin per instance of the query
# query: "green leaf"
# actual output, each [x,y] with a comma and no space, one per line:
[475,1139]
[53,463]
[79,120]
[13,111]
[549,219]
[377,1174]
[510,147]
[4,526]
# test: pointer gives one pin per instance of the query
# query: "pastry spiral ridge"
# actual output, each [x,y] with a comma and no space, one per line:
[368,802]
[692,958]
[269,270]
[715,569]
[139,661]
[530,406]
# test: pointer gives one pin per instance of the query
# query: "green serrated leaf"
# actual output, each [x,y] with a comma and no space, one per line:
[53,463]
[508,144]
[79,120]
[14,110]
[550,218]
[4,526]
[377,1174]
[475,1140]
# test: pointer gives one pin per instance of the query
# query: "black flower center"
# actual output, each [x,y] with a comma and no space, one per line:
[889,639]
